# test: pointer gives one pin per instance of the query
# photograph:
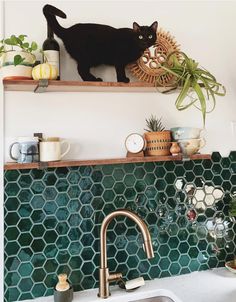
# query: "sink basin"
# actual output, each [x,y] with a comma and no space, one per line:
[159,295]
[156,299]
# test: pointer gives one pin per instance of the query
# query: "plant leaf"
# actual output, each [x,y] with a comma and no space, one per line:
[18,60]
[202,99]
[210,96]
[22,37]
[9,42]
[183,92]
[25,45]
[34,46]
[14,40]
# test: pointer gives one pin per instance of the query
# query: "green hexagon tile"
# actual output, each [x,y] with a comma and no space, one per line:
[53,218]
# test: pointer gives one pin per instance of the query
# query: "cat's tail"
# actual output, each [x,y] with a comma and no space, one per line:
[50,12]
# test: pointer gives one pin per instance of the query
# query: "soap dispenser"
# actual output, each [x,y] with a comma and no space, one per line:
[63,291]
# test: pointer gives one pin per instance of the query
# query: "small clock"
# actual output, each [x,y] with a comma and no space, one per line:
[135,144]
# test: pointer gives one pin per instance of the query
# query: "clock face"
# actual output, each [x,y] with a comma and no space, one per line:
[134,143]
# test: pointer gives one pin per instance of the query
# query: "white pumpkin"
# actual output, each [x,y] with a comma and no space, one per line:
[44,71]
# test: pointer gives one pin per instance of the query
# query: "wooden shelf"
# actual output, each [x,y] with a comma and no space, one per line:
[94,162]
[76,86]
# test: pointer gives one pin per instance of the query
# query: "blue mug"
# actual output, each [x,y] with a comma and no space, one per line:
[27,150]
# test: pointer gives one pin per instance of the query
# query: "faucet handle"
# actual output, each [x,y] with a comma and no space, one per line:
[114,277]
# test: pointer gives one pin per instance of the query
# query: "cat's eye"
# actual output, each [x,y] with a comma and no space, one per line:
[140,37]
[150,37]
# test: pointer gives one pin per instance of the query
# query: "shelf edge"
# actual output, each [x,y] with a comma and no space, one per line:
[79,86]
[94,162]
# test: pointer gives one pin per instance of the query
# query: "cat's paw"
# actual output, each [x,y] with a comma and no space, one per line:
[124,80]
[99,80]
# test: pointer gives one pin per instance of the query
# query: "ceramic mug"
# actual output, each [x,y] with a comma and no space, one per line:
[27,150]
[180,133]
[51,150]
[191,146]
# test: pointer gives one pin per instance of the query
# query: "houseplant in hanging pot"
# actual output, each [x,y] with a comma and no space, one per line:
[16,57]
[158,140]
[197,86]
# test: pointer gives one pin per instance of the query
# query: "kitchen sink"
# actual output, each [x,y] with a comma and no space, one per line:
[156,299]
[159,295]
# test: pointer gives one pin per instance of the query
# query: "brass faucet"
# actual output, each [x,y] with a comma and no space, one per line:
[104,276]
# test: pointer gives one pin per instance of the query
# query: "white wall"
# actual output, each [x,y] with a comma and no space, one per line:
[1,166]
[97,123]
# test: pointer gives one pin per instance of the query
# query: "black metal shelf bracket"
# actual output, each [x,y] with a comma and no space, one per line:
[42,86]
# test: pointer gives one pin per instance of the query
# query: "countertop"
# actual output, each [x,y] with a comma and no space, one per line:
[216,285]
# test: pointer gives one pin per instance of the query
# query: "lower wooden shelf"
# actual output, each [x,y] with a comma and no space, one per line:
[78,86]
[94,162]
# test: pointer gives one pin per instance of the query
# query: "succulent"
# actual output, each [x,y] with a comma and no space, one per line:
[154,124]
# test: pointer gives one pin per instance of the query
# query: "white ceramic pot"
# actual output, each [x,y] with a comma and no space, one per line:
[9,70]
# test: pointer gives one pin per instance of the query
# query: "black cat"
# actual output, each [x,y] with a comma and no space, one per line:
[95,44]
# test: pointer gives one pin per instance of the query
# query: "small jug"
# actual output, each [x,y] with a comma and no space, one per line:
[175,149]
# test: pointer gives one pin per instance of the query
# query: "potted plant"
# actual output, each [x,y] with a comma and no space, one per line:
[16,57]
[158,140]
[197,85]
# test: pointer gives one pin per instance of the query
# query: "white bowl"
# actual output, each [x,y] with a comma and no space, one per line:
[185,133]
[191,146]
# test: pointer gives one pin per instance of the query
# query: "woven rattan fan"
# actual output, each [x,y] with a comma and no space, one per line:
[146,68]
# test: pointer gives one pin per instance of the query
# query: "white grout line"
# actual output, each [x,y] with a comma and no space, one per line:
[2,31]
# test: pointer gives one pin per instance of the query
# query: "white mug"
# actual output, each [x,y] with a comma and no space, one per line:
[51,151]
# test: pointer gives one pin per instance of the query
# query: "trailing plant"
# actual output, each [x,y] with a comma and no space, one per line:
[232,207]
[197,85]
[17,42]
[154,124]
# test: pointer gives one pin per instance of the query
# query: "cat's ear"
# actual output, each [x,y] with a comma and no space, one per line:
[136,27]
[154,26]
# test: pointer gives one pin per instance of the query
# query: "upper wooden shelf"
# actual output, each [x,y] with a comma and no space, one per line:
[94,162]
[76,86]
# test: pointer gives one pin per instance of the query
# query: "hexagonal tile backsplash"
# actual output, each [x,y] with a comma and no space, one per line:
[53,218]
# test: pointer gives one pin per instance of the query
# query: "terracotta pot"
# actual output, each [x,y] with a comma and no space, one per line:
[158,143]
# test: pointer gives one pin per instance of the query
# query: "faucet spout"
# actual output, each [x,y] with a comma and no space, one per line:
[104,276]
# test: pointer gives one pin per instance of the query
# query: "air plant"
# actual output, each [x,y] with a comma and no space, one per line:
[196,84]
